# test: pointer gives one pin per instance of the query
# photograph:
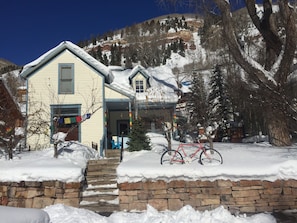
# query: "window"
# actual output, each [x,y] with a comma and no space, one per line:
[139,86]
[66,115]
[66,79]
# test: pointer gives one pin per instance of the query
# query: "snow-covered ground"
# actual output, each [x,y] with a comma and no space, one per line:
[241,161]
[41,165]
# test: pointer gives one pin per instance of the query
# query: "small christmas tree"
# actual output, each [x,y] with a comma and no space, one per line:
[138,140]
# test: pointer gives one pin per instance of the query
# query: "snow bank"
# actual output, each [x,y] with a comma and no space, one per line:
[60,213]
[23,215]
[42,166]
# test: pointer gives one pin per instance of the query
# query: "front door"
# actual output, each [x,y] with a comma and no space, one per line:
[123,127]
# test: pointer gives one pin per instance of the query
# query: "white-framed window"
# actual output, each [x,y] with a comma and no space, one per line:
[139,86]
[66,79]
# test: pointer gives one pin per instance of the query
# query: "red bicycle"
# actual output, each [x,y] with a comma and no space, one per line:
[207,156]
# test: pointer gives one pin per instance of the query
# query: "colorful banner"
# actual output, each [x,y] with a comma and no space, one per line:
[73,120]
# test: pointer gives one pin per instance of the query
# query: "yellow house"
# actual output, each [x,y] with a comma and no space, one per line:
[66,90]
[70,91]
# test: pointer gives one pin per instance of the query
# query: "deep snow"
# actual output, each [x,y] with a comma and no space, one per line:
[241,161]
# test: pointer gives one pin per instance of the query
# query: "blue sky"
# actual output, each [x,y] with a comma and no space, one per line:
[30,28]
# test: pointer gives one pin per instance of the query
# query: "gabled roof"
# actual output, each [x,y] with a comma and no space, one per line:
[30,68]
[162,84]
[139,69]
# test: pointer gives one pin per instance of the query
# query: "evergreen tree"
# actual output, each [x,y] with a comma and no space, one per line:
[93,53]
[166,54]
[174,47]
[152,26]
[99,54]
[113,56]
[219,100]
[128,62]
[138,140]
[93,39]
[197,104]
[181,47]
[105,60]
[119,55]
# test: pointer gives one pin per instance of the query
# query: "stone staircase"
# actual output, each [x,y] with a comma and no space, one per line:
[100,193]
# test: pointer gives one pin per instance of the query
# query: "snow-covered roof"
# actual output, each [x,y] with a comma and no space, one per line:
[140,69]
[161,80]
[162,83]
[29,68]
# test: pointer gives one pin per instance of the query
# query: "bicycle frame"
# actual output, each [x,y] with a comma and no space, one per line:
[181,146]
[207,156]
[181,149]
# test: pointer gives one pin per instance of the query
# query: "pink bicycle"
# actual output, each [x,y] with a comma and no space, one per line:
[207,156]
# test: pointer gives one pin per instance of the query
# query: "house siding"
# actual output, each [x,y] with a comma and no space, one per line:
[43,92]
[112,94]
[139,77]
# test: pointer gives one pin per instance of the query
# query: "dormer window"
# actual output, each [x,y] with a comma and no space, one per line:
[139,79]
[139,86]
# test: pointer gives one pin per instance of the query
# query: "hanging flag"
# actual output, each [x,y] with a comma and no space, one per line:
[73,119]
[61,120]
[67,120]
[86,116]
[78,119]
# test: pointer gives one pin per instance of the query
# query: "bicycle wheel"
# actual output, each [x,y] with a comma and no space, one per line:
[210,157]
[170,157]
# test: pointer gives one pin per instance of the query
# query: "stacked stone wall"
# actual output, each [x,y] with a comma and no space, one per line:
[241,196]
[39,194]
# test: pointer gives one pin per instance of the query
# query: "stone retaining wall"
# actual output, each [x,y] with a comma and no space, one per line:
[242,196]
[39,194]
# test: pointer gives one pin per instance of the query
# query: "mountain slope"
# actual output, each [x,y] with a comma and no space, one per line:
[150,43]
[6,66]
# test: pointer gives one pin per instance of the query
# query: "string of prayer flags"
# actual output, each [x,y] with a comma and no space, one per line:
[73,120]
